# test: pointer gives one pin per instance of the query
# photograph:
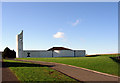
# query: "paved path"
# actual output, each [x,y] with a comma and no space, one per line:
[78,73]
[8,76]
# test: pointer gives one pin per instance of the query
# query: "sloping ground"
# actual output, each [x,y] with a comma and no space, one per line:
[99,63]
[113,54]
[78,73]
[28,72]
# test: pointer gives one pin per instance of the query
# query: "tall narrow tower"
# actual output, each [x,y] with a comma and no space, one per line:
[19,44]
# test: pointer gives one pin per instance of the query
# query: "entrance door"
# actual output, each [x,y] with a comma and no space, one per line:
[28,54]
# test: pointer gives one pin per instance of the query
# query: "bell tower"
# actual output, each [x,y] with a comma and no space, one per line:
[19,43]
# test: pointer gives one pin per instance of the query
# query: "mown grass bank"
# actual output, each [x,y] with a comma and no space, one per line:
[99,63]
[29,72]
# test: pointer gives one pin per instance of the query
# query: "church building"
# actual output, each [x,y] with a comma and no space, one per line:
[52,52]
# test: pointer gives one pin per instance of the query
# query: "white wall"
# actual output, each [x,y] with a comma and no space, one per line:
[80,53]
[55,53]
[37,53]
[69,53]
[63,53]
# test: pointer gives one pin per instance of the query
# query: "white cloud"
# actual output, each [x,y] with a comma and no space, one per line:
[76,22]
[59,35]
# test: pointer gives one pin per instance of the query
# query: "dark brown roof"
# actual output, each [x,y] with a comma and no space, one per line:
[58,48]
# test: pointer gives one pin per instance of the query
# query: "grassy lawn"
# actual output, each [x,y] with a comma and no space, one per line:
[99,63]
[26,71]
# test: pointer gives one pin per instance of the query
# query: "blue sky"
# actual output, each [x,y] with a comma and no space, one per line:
[88,26]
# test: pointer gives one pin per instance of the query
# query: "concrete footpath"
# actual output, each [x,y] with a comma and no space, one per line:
[8,76]
[80,74]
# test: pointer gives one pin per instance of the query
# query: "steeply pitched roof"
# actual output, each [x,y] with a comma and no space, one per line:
[58,48]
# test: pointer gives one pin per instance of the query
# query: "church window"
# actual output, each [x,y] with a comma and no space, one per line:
[28,54]
[20,39]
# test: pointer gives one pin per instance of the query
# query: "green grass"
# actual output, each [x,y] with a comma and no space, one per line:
[99,63]
[26,71]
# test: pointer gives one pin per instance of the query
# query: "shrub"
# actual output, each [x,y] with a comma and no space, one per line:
[7,53]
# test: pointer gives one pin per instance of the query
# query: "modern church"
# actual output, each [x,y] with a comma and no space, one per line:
[52,52]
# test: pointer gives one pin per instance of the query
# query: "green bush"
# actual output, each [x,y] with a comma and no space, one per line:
[7,53]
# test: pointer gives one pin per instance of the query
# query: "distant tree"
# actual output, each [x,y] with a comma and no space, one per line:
[7,53]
